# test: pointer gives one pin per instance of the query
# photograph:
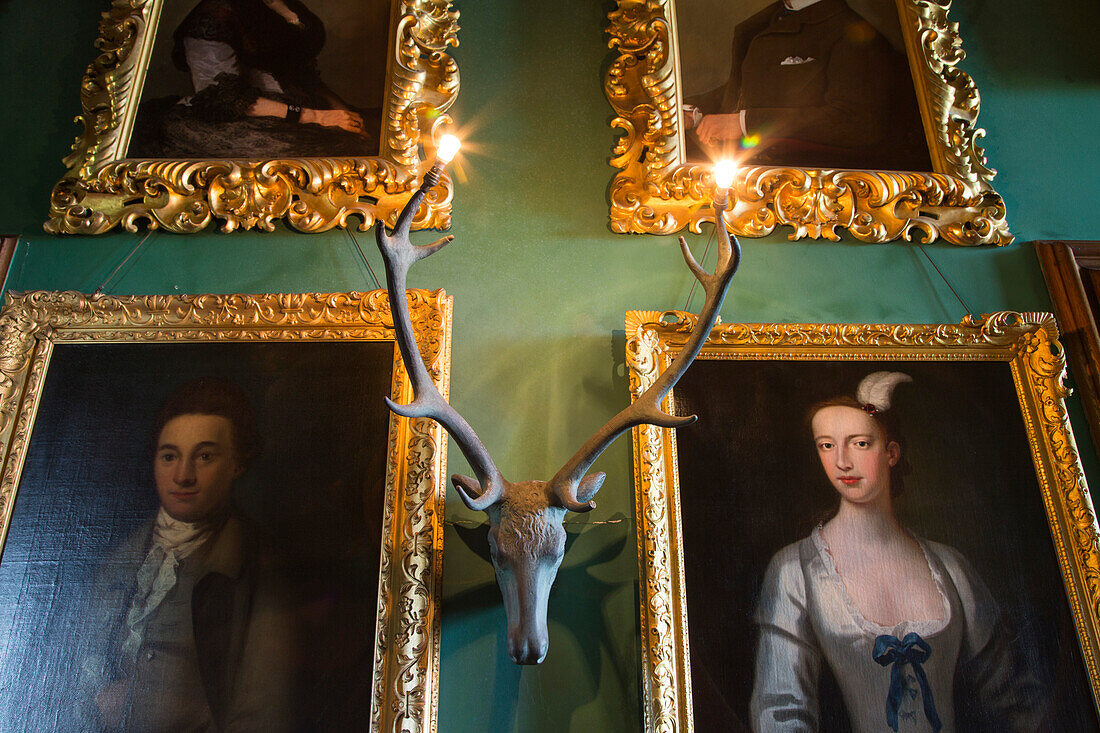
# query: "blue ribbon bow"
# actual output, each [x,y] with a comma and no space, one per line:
[914,651]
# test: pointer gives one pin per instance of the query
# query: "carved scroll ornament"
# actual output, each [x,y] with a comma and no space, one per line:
[658,192]
[102,189]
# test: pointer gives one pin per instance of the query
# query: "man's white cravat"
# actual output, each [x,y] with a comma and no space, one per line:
[173,541]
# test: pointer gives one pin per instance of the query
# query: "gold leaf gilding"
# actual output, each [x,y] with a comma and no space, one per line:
[102,190]
[657,192]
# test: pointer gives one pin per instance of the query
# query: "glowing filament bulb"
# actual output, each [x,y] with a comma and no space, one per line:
[448,148]
[724,172]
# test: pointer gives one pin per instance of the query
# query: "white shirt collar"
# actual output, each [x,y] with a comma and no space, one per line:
[797,5]
[184,537]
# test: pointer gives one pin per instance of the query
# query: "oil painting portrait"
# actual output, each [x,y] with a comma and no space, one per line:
[811,83]
[196,538]
[844,554]
[264,79]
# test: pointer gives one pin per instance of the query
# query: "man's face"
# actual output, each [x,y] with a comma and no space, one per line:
[195,465]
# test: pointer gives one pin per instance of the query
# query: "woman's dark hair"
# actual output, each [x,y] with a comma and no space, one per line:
[212,396]
[886,419]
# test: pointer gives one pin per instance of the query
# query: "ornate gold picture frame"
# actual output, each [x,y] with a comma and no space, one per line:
[658,191]
[728,509]
[348,496]
[103,188]
[1072,273]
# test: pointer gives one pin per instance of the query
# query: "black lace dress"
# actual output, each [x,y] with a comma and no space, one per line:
[238,51]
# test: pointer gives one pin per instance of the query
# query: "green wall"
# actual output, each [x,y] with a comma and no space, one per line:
[541,285]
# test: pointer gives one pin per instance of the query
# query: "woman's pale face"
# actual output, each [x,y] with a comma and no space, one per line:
[854,453]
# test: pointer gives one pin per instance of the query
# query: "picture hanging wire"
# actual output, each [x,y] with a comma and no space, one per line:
[100,289]
[702,261]
[943,277]
[365,260]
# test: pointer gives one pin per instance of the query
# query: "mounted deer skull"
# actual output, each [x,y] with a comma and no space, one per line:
[526,536]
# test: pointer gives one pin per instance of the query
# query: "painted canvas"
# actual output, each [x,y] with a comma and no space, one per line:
[211,520]
[856,534]
[813,83]
[264,79]
[188,538]
[889,571]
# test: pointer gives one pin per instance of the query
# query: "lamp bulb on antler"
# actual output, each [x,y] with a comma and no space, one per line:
[724,171]
[448,148]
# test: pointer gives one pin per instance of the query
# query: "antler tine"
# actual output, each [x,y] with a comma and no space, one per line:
[646,409]
[399,253]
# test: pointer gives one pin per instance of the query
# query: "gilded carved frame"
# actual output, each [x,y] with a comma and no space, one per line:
[658,192]
[406,660]
[102,189]
[1026,341]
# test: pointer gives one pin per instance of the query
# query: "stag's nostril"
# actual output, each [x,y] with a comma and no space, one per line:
[524,651]
[520,652]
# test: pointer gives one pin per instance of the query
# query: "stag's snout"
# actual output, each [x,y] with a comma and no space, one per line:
[526,543]
[528,646]
[525,590]
[525,599]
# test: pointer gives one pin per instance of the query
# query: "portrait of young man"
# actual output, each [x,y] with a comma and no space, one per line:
[194,628]
[189,539]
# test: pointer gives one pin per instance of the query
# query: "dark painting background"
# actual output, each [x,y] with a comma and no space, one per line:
[352,62]
[751,483]
[316,490]
[705,29]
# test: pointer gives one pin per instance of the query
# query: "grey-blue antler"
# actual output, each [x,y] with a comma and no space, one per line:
[399,254]
[647,408]
[526,536]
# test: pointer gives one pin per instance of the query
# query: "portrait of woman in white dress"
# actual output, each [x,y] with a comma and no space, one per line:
[892,615]
[846,564]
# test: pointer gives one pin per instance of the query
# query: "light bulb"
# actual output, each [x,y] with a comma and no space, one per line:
[448,147]
[724,172]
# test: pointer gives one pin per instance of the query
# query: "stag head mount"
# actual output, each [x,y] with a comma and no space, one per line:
[526,537]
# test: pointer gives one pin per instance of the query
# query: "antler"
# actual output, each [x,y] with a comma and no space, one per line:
[399,254]
[647,408]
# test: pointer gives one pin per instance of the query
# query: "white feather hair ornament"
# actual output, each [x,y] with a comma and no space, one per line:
[876,389]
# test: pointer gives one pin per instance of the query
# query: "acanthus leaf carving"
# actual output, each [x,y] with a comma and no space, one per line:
[657,192]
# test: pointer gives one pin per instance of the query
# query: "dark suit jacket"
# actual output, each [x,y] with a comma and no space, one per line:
[240,624]
[821,86]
